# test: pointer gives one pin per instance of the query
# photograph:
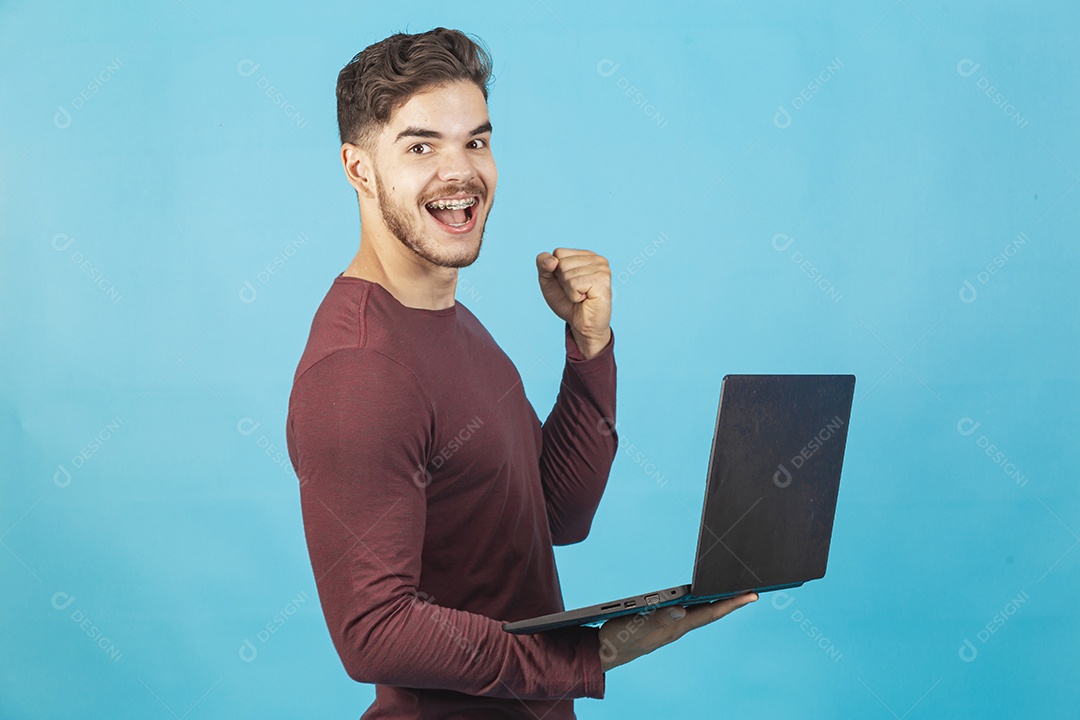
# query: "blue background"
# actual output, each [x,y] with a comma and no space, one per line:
[173,210]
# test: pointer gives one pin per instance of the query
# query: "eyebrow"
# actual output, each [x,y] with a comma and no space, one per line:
[413,131]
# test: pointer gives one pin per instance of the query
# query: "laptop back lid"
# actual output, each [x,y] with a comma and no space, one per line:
[773,478]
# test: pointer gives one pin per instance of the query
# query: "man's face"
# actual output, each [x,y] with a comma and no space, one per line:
[436,151]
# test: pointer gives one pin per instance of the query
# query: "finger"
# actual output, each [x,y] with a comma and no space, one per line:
[711,612]
[676,621]
[546,264]
[562,252]
[570,271]
[676,613]
[667,619]
[580,289]
[720,608]
[582,280]
[573,262]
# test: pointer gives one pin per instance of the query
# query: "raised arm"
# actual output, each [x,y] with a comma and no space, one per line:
[579,442]
[579,435]
[359,429]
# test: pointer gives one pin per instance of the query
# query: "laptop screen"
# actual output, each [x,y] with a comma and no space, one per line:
[773,478]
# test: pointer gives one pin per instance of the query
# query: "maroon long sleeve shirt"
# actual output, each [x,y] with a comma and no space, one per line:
[432,497]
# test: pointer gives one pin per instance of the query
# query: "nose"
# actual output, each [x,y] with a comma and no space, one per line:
[456,166]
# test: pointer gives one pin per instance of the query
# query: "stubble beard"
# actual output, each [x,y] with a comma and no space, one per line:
[411,233]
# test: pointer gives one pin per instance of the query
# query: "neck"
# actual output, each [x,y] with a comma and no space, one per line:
[415,282]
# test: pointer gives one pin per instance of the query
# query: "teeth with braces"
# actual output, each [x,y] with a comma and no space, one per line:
[452,204]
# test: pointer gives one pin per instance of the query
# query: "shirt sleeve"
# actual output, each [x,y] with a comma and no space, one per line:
[360,428]
[579,442]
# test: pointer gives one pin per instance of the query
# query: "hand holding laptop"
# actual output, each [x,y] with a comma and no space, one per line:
[623,639]
[766,523]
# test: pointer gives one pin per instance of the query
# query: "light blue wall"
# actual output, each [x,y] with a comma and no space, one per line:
[779,187]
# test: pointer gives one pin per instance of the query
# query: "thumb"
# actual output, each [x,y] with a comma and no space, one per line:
[669,616]
[551,288]
[546,264]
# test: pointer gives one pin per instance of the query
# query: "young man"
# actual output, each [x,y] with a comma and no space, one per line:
[432,495]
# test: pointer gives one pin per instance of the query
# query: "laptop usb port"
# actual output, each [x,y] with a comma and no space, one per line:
[631,603]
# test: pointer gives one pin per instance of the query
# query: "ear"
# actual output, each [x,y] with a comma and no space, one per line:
[358,169]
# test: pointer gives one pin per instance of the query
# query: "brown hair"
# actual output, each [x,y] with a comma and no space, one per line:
[382,77]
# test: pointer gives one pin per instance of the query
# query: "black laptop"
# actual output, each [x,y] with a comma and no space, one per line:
[770,495]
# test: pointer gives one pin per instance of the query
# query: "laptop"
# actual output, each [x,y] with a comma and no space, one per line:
[770,496]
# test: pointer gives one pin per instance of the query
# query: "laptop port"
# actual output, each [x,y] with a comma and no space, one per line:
[608,607]
[631,603]
[652,599]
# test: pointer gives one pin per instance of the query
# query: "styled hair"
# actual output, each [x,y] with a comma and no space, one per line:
[382,77]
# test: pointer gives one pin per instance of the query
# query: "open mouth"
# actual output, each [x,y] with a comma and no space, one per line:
[454,215]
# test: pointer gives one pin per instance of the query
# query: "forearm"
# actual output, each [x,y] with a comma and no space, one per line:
[388,633]
[590,347]
[579,442]
[419,644]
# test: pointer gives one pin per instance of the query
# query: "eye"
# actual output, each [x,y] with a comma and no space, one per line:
[482,143]
[418,145]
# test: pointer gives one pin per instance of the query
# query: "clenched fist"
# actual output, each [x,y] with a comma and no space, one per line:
[577,287]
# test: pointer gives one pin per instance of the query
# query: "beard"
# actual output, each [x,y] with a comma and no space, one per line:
[412,234]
